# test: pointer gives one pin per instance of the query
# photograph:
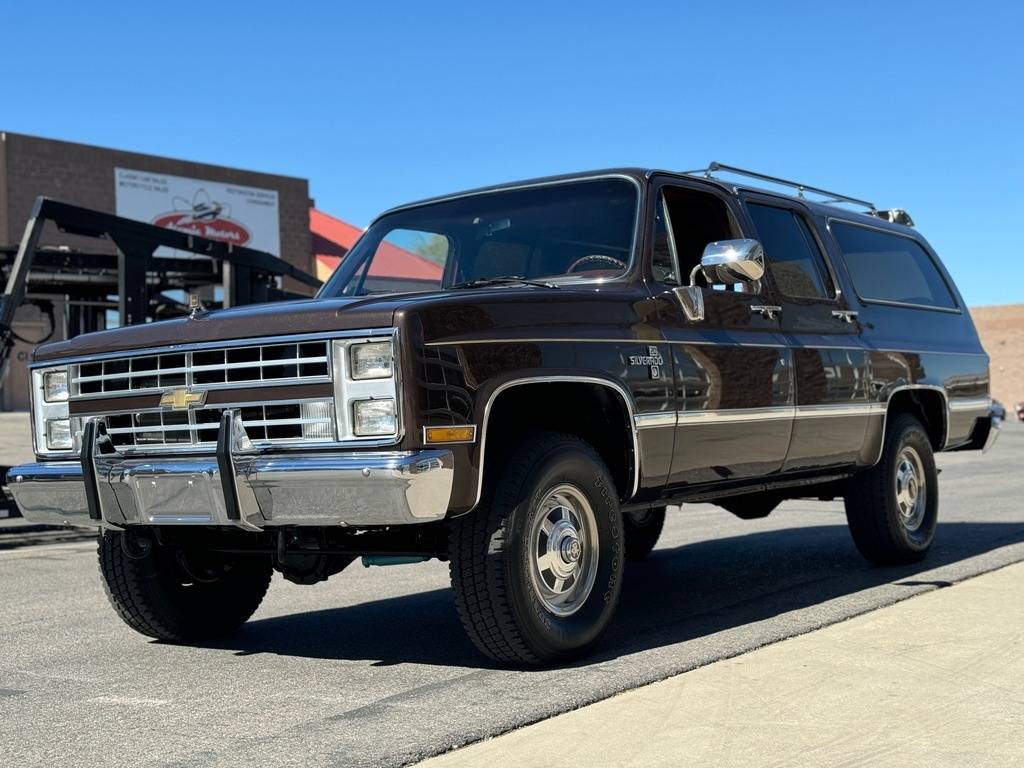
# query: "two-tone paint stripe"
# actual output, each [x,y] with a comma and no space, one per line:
[745,415]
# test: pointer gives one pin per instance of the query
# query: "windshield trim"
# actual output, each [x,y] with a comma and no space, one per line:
[634,249]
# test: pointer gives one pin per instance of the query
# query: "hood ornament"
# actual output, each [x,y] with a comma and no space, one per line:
[196,309]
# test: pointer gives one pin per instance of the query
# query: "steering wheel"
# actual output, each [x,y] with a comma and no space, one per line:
[595,258]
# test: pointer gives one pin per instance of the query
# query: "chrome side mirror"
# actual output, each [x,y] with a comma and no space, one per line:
[724,262]
[727,262]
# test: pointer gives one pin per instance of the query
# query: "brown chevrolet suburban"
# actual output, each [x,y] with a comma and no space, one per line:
[561,361]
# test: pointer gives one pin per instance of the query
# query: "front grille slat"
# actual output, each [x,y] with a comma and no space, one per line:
[276,422]
[142,429]
[263,364]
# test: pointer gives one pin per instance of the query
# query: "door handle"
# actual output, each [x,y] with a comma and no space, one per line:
[766,310]
[846,315]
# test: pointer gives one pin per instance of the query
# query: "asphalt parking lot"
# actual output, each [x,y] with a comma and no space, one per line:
[372,668]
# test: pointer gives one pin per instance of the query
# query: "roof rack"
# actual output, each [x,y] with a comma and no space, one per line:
[833,197]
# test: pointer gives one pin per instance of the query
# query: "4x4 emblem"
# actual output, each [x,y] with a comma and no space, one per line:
[653,359]
[183,399]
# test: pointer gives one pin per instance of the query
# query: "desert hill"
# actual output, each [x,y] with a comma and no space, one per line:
[1002,333]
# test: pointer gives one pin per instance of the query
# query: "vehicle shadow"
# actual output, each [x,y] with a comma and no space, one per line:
[676,594]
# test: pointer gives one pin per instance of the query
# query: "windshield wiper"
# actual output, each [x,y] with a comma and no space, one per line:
[480,282]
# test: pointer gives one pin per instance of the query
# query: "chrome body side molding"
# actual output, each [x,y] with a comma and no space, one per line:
[739,415]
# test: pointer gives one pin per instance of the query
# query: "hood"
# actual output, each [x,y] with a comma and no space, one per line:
[280,318]
[510,311]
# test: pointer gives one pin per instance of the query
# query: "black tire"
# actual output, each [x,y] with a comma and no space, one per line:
[641,532]
[495,581]
[881,531]
[161,592]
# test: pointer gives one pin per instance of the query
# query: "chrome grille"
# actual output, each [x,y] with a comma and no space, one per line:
[268,423]
[305,361]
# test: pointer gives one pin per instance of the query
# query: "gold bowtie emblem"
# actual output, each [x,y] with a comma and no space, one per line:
[182,399]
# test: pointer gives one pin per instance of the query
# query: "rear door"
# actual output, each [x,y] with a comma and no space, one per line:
[734,389]
[830,362]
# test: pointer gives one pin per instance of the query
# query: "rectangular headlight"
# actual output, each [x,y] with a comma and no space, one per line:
[53,429]
[58,435]
[55,386]
[373,360]
[374,417]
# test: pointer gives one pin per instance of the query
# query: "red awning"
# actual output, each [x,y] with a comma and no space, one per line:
[333,238]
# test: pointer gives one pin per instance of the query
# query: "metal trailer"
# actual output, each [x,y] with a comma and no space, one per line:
[133,282]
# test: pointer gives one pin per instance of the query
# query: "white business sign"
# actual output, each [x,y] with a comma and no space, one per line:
[227,212]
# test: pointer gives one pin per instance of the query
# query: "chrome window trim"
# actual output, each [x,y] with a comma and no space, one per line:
[204,345]
[615,386]
[806,215]
[634,251]
[670,236]
[936,263]
[733,209]
[909,305]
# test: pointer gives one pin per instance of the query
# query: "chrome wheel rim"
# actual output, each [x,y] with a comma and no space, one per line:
[911,491]
[564,550]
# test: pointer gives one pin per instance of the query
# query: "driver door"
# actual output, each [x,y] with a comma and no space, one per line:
[733,385]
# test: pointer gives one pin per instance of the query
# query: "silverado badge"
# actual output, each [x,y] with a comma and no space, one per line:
[182,399]
[653,359]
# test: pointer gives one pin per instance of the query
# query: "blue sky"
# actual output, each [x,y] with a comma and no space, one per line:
[907,104]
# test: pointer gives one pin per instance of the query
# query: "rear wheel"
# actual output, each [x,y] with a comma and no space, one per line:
[178,595]
[537,571]
[641,530]
[892,508]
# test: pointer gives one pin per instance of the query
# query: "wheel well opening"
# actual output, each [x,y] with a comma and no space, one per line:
[928,406]
[593,412]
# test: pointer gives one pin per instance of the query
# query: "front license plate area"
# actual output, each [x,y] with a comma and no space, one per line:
[187,498]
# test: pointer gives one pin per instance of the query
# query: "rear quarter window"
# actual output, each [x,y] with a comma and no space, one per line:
[890,267]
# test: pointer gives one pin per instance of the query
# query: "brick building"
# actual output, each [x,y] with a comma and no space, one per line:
[261,210]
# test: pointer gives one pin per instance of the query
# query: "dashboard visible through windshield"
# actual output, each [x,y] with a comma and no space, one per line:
[544,234]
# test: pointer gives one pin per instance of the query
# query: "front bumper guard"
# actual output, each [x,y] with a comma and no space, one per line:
[236,487]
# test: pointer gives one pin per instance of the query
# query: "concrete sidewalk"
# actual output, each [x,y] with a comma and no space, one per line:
[936,680]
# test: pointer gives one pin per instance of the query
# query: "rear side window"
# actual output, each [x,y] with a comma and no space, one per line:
[794,258]
[888,267]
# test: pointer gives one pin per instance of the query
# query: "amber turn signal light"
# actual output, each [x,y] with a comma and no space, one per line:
[434,435]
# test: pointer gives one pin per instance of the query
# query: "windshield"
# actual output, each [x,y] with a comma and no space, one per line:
[581,229]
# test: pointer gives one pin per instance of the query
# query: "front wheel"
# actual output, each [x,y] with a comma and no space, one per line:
[538,570]
[892,508]
[178,595]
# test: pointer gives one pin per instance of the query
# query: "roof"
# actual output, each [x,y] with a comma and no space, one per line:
[642,175]
[334,238]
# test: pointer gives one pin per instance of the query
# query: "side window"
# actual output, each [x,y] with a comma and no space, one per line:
[663,252]
[890,267]
[691,219]
[794,258]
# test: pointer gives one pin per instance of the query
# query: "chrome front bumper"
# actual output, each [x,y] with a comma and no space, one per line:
[230,489]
